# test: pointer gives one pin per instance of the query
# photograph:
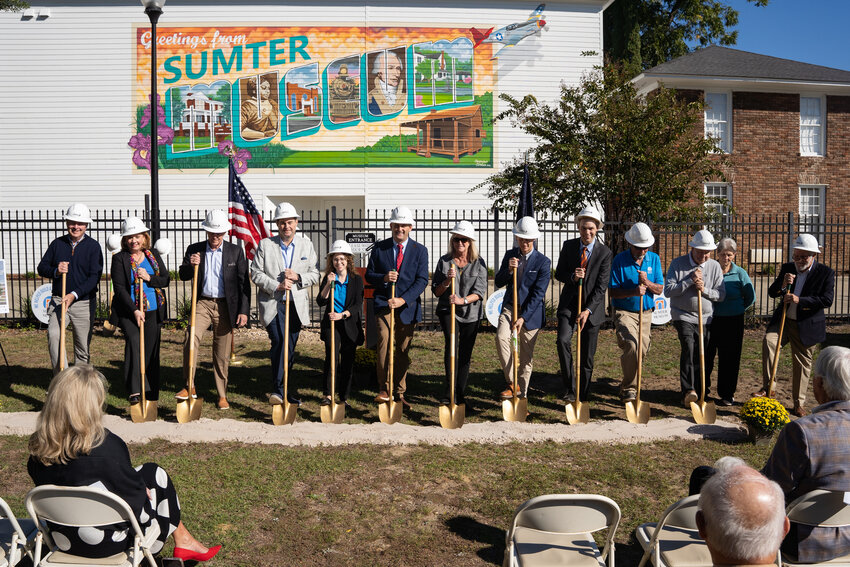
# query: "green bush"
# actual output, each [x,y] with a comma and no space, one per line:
[365,360]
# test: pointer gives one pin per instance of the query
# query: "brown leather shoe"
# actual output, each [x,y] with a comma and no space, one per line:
[222,404]
[760,394]
[404,402]
[184,394]
[800,411]
[507,393]
[382,397]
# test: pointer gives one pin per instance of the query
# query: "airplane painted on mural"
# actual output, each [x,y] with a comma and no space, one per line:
[511,34]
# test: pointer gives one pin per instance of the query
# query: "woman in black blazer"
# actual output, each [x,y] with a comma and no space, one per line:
[137,266]
[346,311]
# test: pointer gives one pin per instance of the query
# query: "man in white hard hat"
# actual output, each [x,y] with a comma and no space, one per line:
[689,275]
[807,287]
[402,262]
[286,262]
[587,260]
[80,258]
[533,272]
[224,299]
[636,277]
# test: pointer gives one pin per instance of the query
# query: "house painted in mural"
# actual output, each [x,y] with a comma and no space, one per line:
[77,81]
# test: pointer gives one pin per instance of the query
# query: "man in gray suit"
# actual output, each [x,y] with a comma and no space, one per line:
[282,263]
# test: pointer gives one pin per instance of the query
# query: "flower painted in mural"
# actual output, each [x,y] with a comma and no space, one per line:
[142,142]
[240,156]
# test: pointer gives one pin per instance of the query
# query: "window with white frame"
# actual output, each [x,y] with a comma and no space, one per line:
[718,123]
[812,126]
[812,209]
[718,198]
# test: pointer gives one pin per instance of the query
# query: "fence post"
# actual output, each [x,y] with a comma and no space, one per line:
[496,240]
[333,224]
[790,235]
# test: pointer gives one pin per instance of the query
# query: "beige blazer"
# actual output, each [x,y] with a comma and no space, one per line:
[267,272]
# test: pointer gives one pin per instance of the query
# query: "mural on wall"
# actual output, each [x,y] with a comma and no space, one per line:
[512,34]
[317,97]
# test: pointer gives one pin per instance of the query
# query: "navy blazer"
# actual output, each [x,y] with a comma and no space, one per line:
[594,286]
[532,286]
[817,294]
[234,272]
[353,326]
[412,277]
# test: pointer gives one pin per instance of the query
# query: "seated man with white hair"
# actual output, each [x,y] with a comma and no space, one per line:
[812,453]
[741,516]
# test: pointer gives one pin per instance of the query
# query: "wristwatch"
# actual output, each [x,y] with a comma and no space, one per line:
[465,301]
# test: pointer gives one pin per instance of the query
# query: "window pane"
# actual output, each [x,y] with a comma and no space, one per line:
[716,119]
[811,126]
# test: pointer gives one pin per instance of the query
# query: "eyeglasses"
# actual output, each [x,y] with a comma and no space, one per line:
[800,258]
[459,239]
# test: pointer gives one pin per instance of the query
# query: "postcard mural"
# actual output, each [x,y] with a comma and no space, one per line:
[316,97]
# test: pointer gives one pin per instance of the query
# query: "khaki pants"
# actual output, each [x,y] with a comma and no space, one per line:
[80,314]
[626,329]
[505,350]
[801,356]
[401,359]
[211,312]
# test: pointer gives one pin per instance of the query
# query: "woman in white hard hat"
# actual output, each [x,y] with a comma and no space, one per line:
[462,262]
[139,277]
[346,311]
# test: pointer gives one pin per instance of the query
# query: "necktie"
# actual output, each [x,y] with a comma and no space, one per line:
[399,257]
[583,261]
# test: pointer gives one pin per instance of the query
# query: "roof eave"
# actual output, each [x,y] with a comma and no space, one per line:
[646,83]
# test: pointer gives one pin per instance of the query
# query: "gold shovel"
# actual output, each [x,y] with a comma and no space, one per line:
[190,409]
[285,413]
[62,328]
[515,408]
[578,412]
[772,387]
[144,410]
[390,412]
[636,410]
[704,412]
[335,412]
[452,415]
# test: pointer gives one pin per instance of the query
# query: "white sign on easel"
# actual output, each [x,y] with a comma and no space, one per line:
[661,315]
[41,298]
[4,288]
[493,307]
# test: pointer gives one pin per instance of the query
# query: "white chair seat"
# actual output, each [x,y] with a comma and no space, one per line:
[843,561]
[543,549]
[678,547]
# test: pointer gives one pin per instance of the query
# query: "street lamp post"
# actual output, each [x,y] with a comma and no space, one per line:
[153,8]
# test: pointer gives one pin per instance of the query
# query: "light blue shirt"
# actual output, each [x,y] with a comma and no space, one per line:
[340,293]
[213,282]
[288,252]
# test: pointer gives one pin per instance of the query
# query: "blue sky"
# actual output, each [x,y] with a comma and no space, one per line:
[812,31]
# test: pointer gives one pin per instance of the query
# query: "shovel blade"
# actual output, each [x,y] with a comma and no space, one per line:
[637,412]
[577,412]
[704,412]
[142,412]
[515,409]
[452,416]
[390,412]
[195,407]
[184,413]
[284,414]
[333,413]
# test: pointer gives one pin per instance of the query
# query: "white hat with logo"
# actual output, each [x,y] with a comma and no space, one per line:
[78,212]
[807,243]
[402,215]
[285,211]
[464,228]
[526,228]
[589,213]
[640,235]
[131,226]
[703,240]
[216,222]
[340,247]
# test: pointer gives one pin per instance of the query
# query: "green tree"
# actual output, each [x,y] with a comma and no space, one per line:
[639,158]
[13,5]
[643,33]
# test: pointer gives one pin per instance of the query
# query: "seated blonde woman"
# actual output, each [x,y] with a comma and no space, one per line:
[70,447]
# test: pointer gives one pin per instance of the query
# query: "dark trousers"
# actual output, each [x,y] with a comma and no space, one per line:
[689,377]
[344,354]
[132,371]
[276,334]
[589,334]
[726,341]
[465,335]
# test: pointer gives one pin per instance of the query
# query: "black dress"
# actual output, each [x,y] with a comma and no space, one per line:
[108,467]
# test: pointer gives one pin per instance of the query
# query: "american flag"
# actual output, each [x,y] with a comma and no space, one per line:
[248,223]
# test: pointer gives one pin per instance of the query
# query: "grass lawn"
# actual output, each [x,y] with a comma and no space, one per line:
[377,505]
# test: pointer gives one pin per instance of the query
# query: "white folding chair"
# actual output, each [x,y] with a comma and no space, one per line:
[674,541]
[821,508]
[83,506]
[557,529]
[16,536]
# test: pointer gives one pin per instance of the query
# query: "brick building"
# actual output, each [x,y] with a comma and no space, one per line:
[785,125]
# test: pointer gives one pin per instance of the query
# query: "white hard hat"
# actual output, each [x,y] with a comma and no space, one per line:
[526,228]
[216,222]
[402,215]
[589,213]
[131,226]
[163,246]
[703,240]
[285,211]
[113,243]
[340,247]
[78,212]
[807,243]
[464,228]
[640,235]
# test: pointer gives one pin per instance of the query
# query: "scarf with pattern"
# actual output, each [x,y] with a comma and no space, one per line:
[141,297]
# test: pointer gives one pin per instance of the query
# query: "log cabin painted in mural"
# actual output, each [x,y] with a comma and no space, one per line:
[455,132]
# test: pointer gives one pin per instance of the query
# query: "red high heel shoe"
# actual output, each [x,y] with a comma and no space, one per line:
[189,555]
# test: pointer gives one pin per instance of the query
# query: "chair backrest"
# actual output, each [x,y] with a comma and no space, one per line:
[681,514]
[568,513]
[78,506]
[824,508]
[9,516]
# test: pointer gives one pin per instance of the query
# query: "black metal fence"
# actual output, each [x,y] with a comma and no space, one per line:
[764,243]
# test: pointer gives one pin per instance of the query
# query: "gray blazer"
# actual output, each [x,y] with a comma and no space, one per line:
[267,272]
